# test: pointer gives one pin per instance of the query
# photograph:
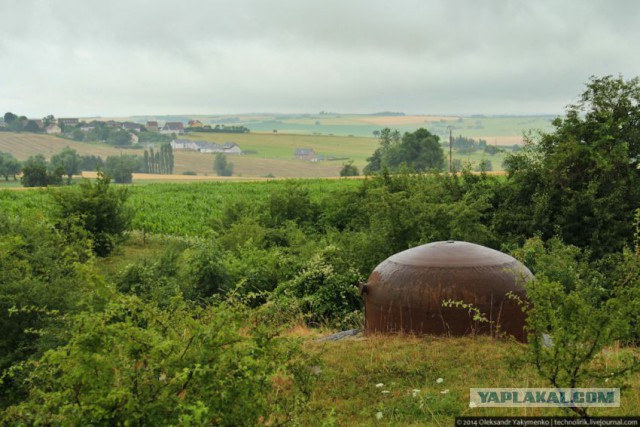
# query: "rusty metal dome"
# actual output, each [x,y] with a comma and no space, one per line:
[405,292]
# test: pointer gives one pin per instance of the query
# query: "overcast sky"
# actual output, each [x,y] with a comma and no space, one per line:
[131,57]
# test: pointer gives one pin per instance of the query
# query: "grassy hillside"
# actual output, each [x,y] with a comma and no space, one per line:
[22,145]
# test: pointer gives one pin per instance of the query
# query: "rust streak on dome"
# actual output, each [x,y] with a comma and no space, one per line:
[405,292]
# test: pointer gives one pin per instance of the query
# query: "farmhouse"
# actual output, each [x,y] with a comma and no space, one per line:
[183,144]
[173,127]
[307,154]
[206,146]
[195,124]
[152,126]
[53,130]
[113,124]
[131,126]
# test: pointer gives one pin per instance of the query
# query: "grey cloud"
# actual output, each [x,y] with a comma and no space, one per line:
[459,56]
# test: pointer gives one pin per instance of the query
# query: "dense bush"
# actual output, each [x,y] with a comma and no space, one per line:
[138,364]
[97,208]
[44,275]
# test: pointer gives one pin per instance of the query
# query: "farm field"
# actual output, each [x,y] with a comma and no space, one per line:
[501,130]
[182,209]
[268,154]
[25,144]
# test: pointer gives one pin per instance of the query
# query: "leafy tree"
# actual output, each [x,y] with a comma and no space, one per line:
[99,209]
[36,172]
[9,118]
[146,164]
[121,168]
[161,162]
[48,120]
[32,126]
[348,169]
[419,151]
[387,138]
[44,275]
[581,180]
[574,312]
[9,166]
[484,166]
[77,135]
[91,163]
[69,160]
[221,166]
[119,138]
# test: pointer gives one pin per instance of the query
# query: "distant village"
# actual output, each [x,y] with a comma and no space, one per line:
[127,133]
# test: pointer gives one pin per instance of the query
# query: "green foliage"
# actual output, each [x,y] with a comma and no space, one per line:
[91,163]
[9,117]
[348,169]
[138,364]
[205,273]
[37,172]
[582,180]
[292,203]
[44,275]
[68,160]
[99,209]
[154,280]
[119,138]
[221,166]
[574,313]
[9,166]
[121,167]
[323,294]
[419,151]
[161,162]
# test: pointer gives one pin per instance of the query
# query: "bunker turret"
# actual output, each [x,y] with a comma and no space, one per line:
[405,292]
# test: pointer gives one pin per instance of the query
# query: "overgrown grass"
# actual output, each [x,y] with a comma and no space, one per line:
[348,390]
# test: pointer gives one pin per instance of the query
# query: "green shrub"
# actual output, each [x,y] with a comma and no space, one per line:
[138,364]
[323,294]
[44,276]
[97,208]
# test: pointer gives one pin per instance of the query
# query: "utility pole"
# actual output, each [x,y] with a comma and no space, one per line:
[450,150]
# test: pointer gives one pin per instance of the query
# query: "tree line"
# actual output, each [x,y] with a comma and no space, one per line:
[37,171]
[94,131]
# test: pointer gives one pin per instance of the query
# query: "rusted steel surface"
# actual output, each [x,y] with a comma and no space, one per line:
[405,292]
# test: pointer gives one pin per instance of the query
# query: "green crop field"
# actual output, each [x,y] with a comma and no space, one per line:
[185,209]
